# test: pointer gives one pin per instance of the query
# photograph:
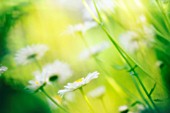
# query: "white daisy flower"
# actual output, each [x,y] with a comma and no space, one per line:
[142,19]
[85,13]
[38,81]
[138,3]
[148,31]
[3,69]
[105,5]
[140,107]
[95,50]
[148,35]
[165,1]
[98,92]
[129,41]
[82,27]
[70,6]
[70,96]
[30,53]
[123,109]
[57,71]
[79,83]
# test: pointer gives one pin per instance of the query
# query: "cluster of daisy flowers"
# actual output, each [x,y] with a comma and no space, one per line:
[55,72]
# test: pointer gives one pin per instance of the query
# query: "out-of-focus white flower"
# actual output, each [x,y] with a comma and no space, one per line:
[140,107]
[58,70]
[3,69]
[98,92]
[129,41]
[148,35]
[138,3]
[123,109]
[95,50]
[85,13]
[38,81]
[30,53]
[149,31]
[165,1]
[73,5]
[80,28]
[69,96]
[79,83]
[142,19]
[158,63]
[105,5]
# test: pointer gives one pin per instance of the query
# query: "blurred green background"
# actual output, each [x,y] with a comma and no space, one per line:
[26,22]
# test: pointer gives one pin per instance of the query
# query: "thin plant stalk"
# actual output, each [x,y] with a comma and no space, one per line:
[103,104]
[150,98]
[37,64]
[164,33]
[113,83]
[48,96]
[132,59]
[140,92]
[165,17]
[44,92]
[86,99]
[131,68]
[124,57]
[41,87]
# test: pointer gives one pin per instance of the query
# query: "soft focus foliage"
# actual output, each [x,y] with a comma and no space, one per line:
[47,45]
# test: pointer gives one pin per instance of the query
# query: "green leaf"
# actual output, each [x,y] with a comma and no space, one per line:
[135,103]
[152,90]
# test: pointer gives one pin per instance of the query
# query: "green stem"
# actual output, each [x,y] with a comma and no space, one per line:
[162,31]
[104,106]
[98,13]
[150,98]
[38,64]
[58,105]
[111,81]
[87,100]
[165,17]
[41,87]
[88,8]
[124,57]
[140,92]
[85,42]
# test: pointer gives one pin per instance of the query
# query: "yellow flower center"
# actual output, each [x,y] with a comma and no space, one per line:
[37,82]
[79,80]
